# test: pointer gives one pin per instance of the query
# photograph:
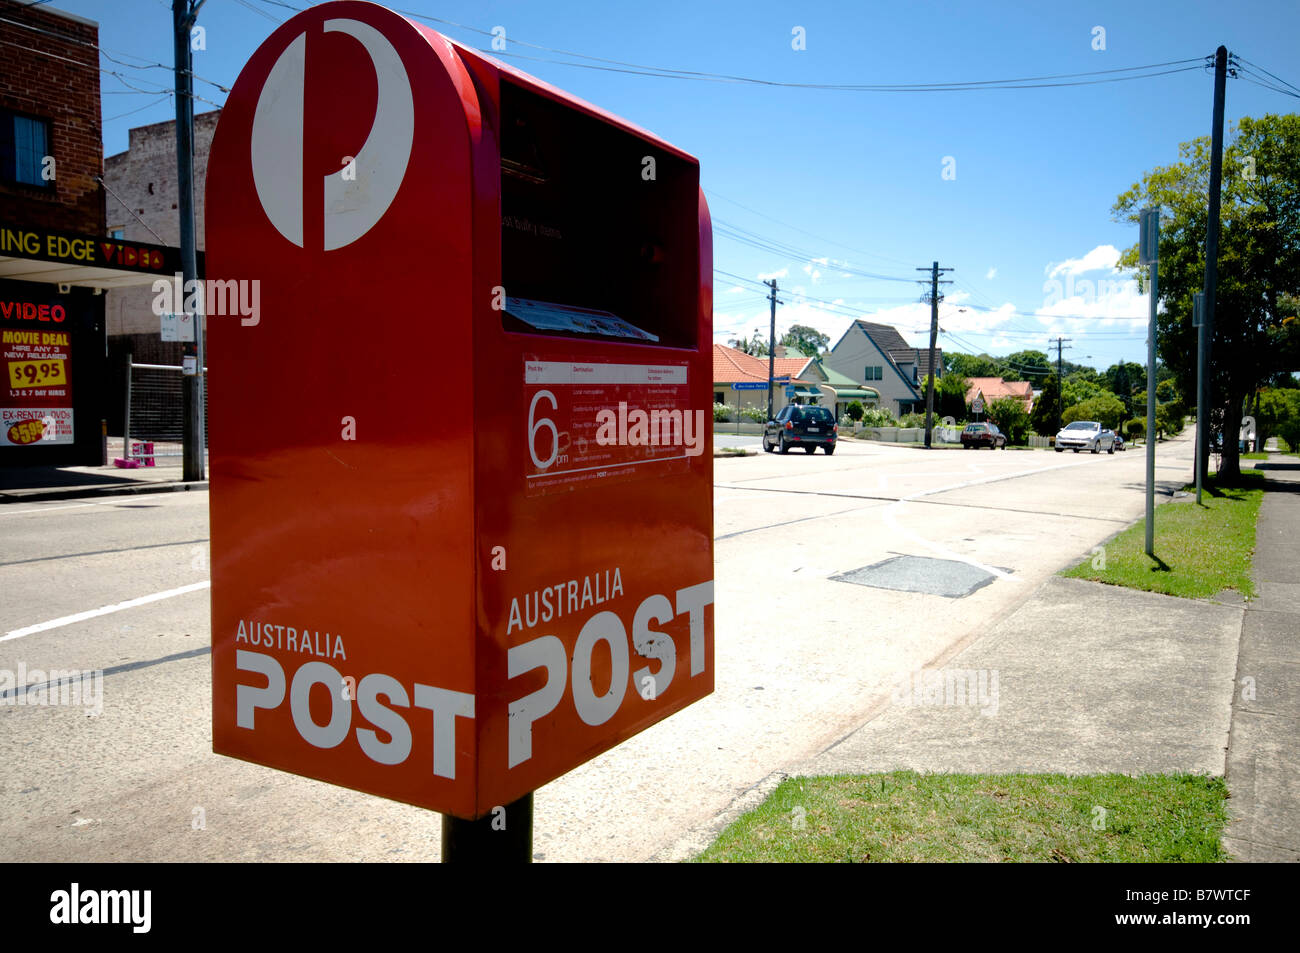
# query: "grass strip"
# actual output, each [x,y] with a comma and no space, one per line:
[902,817]
[1200,550]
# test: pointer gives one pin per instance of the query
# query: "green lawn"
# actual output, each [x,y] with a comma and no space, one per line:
[903,816]
[1200,550]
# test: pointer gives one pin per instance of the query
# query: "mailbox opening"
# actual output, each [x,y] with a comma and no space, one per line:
[597,242]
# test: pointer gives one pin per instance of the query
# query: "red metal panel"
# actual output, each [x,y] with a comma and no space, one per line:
[358,490]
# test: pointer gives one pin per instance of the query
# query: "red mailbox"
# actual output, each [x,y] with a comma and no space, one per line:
[461,452]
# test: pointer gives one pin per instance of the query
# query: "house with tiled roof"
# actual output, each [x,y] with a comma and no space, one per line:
[878,357]
[990,389]
[730,366]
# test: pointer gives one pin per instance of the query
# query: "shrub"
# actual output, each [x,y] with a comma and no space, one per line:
[878,417]
[912,420]
[1135,429]
[756,414]
[1011,417]
[855,409]
[721,413]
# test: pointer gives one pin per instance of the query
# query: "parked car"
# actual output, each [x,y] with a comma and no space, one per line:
[983,435]
[1085,435]
[1118,440]
[798,426]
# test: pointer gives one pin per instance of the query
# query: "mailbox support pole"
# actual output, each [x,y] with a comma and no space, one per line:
[503,836]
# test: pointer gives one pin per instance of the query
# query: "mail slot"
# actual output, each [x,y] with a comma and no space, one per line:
[461,460]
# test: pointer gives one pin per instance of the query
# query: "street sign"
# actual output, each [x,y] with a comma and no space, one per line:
[749,385]
[177,327]
[1148,236]
[977,405]
[789,392]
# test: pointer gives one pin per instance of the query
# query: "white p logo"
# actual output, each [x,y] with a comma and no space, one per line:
[354,204]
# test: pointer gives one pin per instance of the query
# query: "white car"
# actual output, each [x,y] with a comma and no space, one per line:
[1085,435]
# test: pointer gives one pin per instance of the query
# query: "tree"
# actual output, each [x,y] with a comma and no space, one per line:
[757,345]
[967,365]
[1011,417]
[1107,409]
[803,338]
[1255,330]
[950,396]
[855,410]
[1278,415]
[1122,379]
[1030,366]
[1047,408]
[1078,388]
[1167,390]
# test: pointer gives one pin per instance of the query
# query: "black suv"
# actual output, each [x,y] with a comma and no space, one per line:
[796,426]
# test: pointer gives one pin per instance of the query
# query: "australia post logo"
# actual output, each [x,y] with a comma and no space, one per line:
[359,191]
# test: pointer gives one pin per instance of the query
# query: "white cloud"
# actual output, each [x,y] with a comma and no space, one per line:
[774,274]
[735,291]
[1101,257]
[991,274]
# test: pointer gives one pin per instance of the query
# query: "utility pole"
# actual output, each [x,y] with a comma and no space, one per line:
[934,270]
[1205,339]
[771,347]
[184,13]
[1149,254]
[1060,383]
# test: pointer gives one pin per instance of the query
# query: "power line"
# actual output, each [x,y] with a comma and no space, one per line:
[796,228]
[1279,79]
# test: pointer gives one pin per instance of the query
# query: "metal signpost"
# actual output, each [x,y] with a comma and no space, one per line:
[1148,254]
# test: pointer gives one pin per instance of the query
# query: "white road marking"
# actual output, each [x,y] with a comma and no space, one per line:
[104,610]
[48,509]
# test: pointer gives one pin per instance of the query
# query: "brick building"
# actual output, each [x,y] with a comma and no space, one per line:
[56,260]
[49,109]
[51,332]
[142,181]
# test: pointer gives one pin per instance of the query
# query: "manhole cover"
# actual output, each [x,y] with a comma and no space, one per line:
[935,577]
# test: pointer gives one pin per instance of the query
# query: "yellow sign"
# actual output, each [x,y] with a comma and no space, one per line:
[37,374]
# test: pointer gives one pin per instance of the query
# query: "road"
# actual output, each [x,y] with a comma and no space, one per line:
[801,658]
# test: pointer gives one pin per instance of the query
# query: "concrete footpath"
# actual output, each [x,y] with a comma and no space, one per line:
[1089,678]
[1264,746]
[39,484]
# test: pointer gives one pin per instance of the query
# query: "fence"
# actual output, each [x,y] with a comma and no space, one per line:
[155,413]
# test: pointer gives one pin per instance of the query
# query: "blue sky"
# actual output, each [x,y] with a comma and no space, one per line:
[846,181]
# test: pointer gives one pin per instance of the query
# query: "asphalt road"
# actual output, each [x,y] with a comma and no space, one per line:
[801,658]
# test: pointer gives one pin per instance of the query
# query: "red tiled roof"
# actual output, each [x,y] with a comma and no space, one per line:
[995,388]
[731,366]
[787,365]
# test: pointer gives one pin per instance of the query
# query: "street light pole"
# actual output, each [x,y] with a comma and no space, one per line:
[771,347]
[184,13]
[1149,254]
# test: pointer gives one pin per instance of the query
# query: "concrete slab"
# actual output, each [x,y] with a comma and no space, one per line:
[936,577]
[1082,678]
[1263,782]
[1263,766]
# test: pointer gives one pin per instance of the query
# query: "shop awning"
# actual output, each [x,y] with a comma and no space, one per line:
[94,261]
[856,393]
